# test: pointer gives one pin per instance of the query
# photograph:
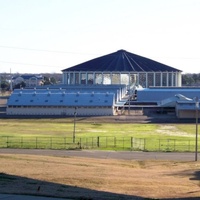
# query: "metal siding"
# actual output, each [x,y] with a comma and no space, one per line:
[122,61]
[155,95]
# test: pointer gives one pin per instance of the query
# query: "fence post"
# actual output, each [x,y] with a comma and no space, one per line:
[7,142]
[98,141]
[159,145]
[64,144]
[131,142]
[36,142]
[189,145]
[174,145]
[92,142]
[51,142]
[80,143]
[144,144]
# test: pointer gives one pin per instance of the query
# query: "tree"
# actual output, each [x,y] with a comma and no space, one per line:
[187,80]
[20,85]
[49,80]
[46,81]
[5,86]
[53,80]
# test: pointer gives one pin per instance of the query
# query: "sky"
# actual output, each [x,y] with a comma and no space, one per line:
[47,36]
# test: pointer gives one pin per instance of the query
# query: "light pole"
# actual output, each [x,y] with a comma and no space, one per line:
[74,132]
[197,111]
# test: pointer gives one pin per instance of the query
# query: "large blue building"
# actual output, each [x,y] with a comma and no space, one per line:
[101,86]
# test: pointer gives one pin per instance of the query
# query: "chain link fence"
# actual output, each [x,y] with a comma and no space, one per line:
[104,143]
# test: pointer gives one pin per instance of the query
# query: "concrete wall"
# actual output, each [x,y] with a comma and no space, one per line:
[62,111]
[190,114]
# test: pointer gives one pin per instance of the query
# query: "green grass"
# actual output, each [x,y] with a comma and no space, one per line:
[57,134]
[45,127]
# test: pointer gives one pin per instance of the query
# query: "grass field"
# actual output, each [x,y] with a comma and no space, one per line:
[98,133]
[87,128]
[87,178]
[98,179]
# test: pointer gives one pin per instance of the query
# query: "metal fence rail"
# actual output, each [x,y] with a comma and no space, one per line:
[110,143]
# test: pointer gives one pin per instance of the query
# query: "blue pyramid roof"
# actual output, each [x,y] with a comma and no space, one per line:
[122,61]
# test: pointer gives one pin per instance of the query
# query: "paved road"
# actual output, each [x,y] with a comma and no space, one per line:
[125,155]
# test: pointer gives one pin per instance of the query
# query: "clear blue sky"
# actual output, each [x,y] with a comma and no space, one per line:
[38,36]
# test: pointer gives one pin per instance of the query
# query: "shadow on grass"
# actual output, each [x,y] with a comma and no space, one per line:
[11,184]
[195,176]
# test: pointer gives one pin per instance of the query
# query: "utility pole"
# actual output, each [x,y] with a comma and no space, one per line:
[74,132]
[196,141]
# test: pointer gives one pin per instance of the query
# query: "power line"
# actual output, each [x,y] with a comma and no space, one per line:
[45,50]
[26,64]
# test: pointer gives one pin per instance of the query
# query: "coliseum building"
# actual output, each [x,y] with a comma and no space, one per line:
[122,67]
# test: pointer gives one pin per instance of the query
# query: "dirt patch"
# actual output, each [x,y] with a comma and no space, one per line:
[171,130]
[87,178]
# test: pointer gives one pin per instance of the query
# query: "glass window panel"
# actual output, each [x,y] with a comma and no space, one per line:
[90,79]
[98,78]
[133,79]
[76,78]
[150,79]
[71,78]
[83,78]
[125,79]
[116,78]
[164,79]
[106,79]
[170,79]
[142,79]
[158,82]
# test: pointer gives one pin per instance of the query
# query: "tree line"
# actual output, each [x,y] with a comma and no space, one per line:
[191,79]
[48,79]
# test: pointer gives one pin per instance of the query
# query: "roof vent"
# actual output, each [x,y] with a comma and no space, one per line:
[121,50]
